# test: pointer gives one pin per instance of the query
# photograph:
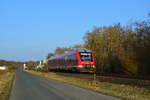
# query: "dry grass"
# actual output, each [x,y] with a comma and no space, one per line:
[5,84]
[126,92]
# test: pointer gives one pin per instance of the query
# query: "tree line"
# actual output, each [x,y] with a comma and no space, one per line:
[118,49]
[121,49]
[13,65]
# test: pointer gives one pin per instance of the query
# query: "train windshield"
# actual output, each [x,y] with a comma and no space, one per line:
[86,56]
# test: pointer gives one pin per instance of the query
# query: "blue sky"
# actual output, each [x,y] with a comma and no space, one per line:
[30,29]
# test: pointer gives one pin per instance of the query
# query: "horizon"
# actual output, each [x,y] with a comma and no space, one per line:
[31,29]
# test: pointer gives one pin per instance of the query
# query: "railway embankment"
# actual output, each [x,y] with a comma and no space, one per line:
[118,79]
[6,80]
[123,91]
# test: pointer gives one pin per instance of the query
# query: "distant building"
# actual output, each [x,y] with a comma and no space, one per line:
[42,63]
[45,61]
[2,67]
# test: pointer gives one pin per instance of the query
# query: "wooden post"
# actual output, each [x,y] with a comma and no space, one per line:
[94,75]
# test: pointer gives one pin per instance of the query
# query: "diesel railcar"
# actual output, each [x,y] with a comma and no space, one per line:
[81,60]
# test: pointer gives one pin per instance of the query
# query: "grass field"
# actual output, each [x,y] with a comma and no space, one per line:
[6,79]
[125,92]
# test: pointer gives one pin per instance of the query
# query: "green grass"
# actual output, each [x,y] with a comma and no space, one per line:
[5,85]
[125,92]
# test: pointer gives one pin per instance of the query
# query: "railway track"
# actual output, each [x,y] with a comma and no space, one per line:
[111,79]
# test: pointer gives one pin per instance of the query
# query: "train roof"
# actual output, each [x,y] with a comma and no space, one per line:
[83,50]
[70,52]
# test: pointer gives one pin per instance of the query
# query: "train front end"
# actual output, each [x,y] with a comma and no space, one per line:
[86,60]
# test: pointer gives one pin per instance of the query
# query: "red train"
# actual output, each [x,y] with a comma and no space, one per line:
[75,60]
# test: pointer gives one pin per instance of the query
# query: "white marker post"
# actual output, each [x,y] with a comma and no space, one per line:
[24,67]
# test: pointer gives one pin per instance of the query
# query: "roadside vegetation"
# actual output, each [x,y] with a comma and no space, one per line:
[6,80]
[122,91]
[6,77]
